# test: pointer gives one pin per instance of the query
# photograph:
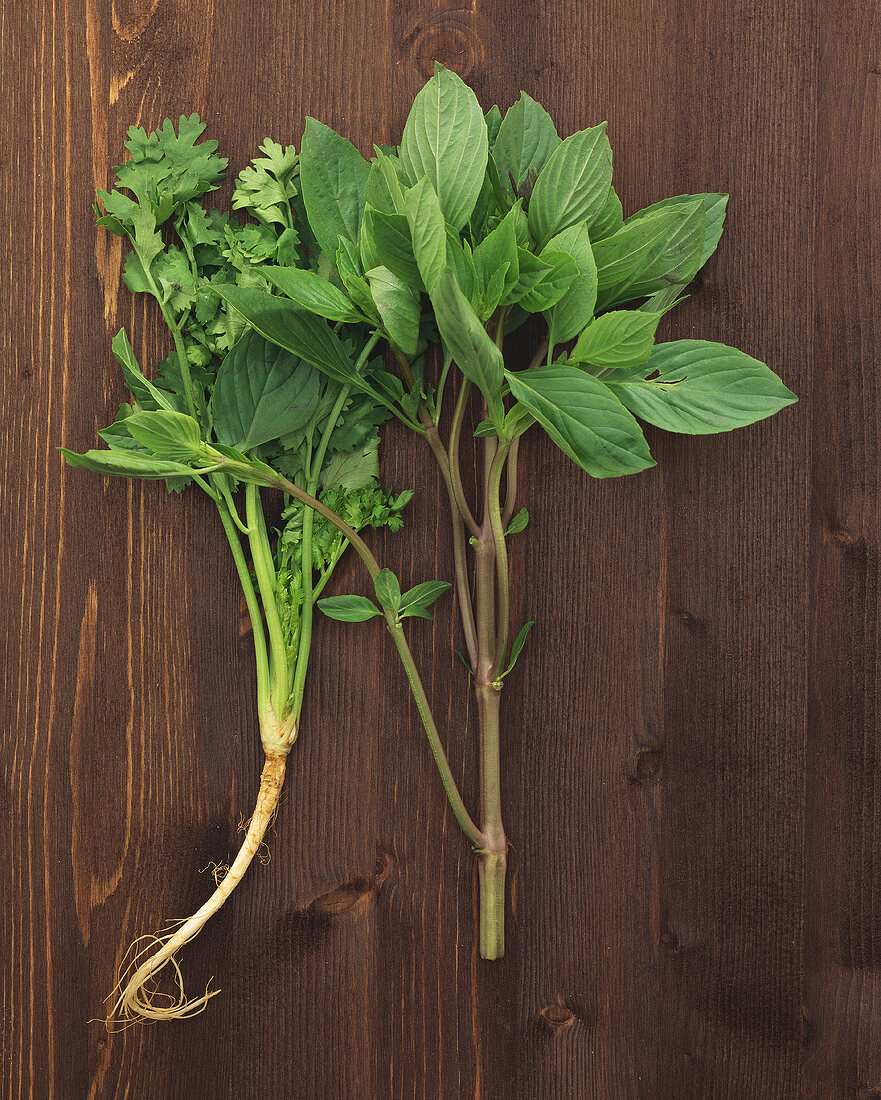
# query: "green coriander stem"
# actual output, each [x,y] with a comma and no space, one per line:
[252,603]
[276,481]
[307,607]
[264,570]
[179,349]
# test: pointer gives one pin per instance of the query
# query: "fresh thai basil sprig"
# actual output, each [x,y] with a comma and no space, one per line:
[473,225]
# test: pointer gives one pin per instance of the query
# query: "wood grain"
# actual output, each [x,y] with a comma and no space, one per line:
[692,783]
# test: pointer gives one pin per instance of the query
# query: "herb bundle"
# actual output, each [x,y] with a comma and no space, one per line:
[230,409]
[443,248]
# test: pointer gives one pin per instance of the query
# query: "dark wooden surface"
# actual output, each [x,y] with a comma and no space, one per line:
[692,778]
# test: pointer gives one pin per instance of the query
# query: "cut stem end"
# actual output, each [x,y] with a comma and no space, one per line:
[491,869]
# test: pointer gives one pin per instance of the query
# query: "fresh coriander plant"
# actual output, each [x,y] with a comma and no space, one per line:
[444,247]
[230,410]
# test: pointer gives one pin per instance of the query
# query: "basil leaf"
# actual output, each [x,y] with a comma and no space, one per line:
[575,410]
[262,393]
[445,139]
[496,263]
[302,334]
[385,242]
[171,435]
[398,306]
[573,184]
[699,387]
[312,293]
[333,176]
[621,338]
[428,232]
[526,138]
[516,648]
[569,316]
[126,464]
[383,189]
[610,218]
[714,207]
[467,340]
[388,590]
[141,388]
[423,595]
[349,609]
[561,273]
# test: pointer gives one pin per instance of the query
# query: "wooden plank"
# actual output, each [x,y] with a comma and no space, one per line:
[690,776]
[843,914]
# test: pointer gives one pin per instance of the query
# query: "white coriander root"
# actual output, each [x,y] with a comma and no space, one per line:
[136,995]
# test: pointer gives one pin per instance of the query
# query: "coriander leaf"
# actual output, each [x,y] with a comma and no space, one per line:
[312,293]
[445,140]
[699,387]
[333,176]
[526,138]
[262,393]
[349,609]
[574,409]
[354,469]
[572,186]
[623,337]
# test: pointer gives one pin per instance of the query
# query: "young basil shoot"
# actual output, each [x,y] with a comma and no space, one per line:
[445,246]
